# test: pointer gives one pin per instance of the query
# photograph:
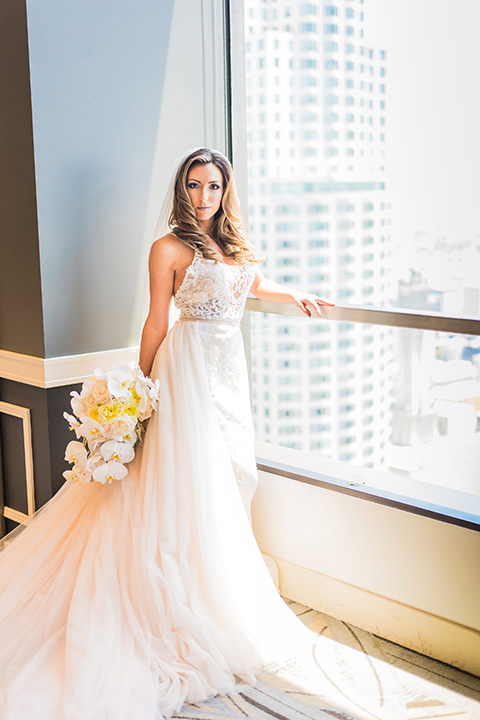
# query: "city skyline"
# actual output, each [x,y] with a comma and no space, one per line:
[318,122]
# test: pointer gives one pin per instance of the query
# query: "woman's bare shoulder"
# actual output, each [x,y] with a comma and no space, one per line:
[169,249]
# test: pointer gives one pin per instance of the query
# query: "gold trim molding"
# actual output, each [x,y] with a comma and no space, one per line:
[24,414]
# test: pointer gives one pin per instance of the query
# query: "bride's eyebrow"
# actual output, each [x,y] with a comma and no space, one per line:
[210,182]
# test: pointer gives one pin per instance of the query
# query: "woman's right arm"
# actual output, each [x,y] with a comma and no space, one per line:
[162,263]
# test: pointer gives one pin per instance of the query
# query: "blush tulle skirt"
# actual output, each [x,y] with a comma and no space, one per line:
[124,601]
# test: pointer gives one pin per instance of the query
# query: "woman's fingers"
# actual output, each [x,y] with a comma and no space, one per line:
[300,303]
[304,301]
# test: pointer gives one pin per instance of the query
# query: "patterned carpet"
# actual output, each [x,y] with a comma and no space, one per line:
[350,675]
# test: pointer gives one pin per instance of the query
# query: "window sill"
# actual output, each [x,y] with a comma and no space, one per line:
[439,503]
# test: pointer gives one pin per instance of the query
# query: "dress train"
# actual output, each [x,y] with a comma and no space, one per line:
[124,601]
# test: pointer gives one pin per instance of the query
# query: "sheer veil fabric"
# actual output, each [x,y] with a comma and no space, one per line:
[124,601]
[163,227]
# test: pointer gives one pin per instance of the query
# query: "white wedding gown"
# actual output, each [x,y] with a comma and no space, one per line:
[124,601]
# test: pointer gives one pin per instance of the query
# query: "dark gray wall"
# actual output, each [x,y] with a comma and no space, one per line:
[50,436]
[21,317]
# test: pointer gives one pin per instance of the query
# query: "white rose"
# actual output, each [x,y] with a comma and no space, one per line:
[100,393]
[122,426]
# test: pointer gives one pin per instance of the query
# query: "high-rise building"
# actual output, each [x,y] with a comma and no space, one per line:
[319,210]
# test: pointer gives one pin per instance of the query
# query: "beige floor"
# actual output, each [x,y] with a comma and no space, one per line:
[350,674]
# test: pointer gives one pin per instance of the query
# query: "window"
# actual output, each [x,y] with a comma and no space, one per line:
[308,45]
[331,64]
[308,9]
[349,240]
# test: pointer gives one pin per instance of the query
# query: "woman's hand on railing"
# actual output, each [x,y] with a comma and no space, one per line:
[305,301]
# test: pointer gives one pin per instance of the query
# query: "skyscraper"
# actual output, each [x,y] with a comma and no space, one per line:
[319,210]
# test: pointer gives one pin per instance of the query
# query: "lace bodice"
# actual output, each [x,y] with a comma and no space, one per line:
[212,290]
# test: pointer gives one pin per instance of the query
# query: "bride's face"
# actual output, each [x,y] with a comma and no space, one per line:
[205,189]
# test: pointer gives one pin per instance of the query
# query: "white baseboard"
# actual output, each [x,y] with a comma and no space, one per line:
[428,634]
[59,371]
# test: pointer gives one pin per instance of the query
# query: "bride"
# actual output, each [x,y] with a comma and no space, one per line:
[124,601]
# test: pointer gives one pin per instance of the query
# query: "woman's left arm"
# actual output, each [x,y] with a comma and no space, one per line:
[265,289]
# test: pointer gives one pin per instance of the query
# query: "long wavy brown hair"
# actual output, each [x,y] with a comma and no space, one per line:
[228,228]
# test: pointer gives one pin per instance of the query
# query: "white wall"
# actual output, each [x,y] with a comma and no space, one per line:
[409,578]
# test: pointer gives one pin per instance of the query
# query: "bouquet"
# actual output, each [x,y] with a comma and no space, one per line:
[109,415]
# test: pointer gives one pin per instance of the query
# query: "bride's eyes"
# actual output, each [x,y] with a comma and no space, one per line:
[194,186]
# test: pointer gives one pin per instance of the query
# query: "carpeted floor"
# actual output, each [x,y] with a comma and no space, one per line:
[350,675]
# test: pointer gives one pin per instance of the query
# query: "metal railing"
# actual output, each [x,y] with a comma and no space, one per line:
[376,316]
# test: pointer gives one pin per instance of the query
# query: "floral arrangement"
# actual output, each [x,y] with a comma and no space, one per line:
[109,415]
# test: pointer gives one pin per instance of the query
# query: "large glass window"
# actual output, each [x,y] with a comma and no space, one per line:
[380,181]
[418,142]
[389,398]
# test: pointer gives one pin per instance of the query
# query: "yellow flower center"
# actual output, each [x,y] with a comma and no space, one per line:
[109,411]
[130,409]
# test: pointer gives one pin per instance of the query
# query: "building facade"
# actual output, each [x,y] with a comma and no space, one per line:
[319,211]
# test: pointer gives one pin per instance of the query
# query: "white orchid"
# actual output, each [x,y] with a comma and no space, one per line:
[76,453]
[114,450]
[77,404]
[110,471]
[92,431]
[87,386]
[73,423]
[75,475]
[119,382]
[137,374]
[131,437]
[93,462]
[108,415]
[148,393]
